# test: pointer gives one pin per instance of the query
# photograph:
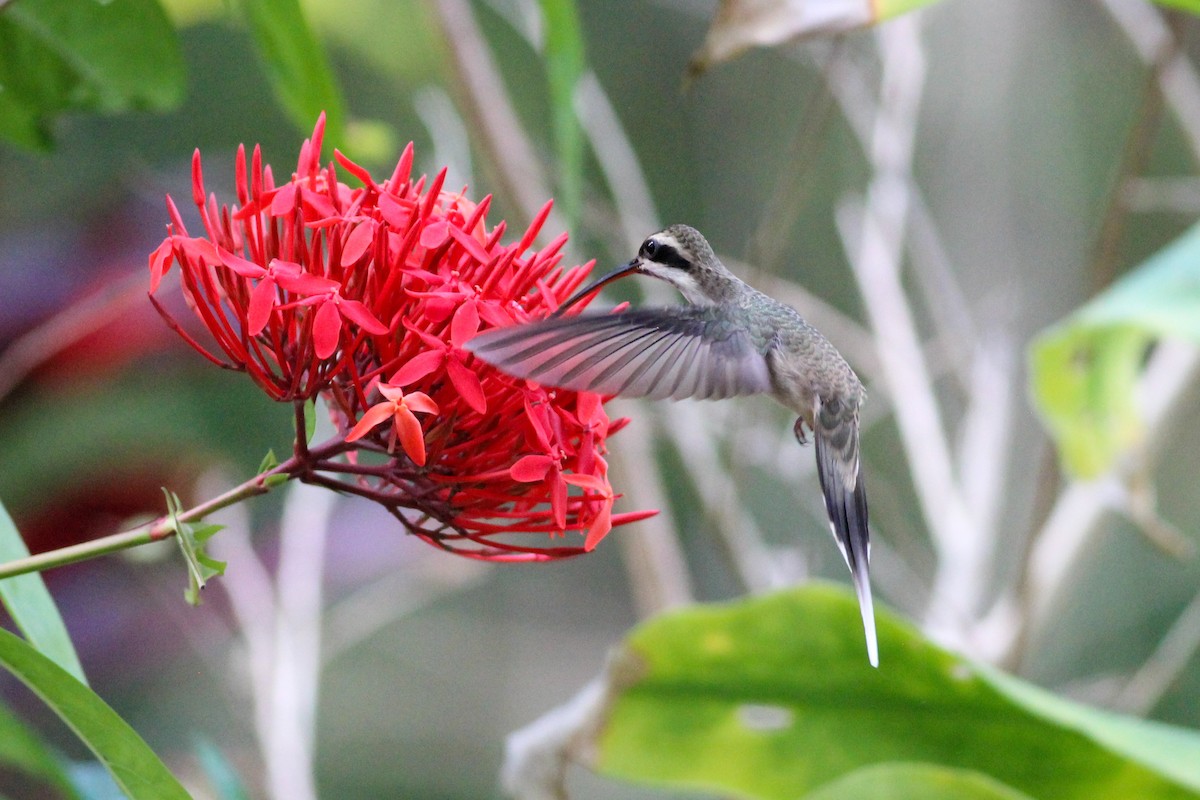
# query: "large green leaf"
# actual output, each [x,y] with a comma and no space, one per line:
[31,606]
[57,57]
[1084,370]
[773,697]
[915,782]
[296,65]
[115,744]
[22,750]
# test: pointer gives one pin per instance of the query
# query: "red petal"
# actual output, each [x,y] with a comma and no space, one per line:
[412,438]
[470,244]
[327,329]
[262,300]
[197,180]
[464,325]
[394,213]
[537,418]
[418,367]
[160,262]
[357,242]
[201,251]
[530,469]
[588,482]
[434,234]
[419,401]
[375,415]
[558,502]
[284,200]
[468,385]
[307,284]
[354,169]
[599,528]
[247,269]
[357,313]
[393,393]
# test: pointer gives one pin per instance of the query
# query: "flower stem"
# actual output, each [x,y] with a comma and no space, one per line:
[162,528]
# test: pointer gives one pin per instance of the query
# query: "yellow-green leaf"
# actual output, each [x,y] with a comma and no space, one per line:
[1084,370]
[772,697]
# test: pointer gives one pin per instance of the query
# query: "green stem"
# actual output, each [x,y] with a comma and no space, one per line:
[162,528]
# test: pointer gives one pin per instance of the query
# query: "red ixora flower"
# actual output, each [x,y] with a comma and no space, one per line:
[364,297]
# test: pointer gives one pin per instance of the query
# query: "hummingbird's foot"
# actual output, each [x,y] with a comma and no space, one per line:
[798,429]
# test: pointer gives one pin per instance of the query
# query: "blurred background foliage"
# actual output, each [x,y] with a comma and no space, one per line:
[1048,162]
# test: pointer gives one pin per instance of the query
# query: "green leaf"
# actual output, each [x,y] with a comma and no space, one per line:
[57,57]
[268,463]
[310,420]
[905,781]
[1192,6]
[772,697]
[21,749]
[565,63]
[296,65]
[1084,370]
[115,744]
[192,540]
[31,606]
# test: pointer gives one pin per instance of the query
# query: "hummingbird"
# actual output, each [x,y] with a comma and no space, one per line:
[728,340]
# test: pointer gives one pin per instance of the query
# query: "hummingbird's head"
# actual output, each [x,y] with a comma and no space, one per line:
[682,257]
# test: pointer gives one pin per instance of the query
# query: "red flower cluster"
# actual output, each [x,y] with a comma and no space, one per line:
[365,296]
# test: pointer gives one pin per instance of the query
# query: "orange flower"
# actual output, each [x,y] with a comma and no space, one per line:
[399,408]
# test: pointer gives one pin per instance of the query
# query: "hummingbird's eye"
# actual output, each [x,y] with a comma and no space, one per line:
[649,248]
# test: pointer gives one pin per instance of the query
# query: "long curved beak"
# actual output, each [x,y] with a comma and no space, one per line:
[620,272]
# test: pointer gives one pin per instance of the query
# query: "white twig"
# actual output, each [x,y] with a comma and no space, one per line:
[280,624]
[985,443]
[297,668]
[876,257]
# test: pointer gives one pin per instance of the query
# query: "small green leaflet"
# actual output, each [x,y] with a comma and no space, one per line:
[192,539]
[310,420]
[269,463]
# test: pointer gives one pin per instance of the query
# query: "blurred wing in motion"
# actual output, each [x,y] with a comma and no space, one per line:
[659,353]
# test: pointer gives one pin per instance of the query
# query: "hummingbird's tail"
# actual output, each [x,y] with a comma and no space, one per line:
[836,434]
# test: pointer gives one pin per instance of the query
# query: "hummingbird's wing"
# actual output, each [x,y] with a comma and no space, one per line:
[675,352]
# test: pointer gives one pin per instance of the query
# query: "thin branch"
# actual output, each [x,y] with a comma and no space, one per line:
[1134,156]
[779,216]
[1165,665]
